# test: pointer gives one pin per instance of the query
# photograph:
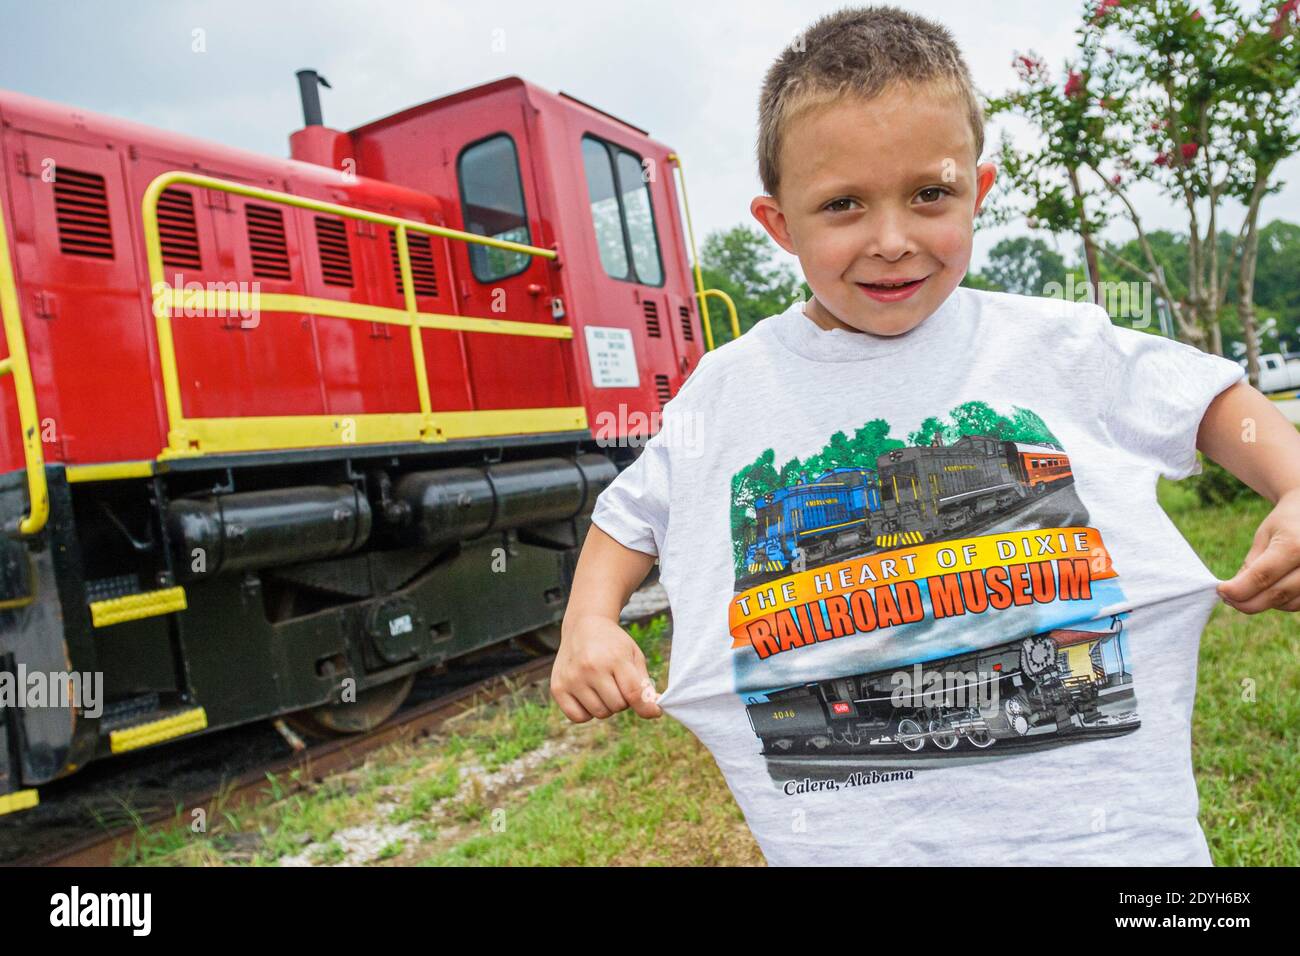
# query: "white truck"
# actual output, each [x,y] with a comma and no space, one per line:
[1277,372]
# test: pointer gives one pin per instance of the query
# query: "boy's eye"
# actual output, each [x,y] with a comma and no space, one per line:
[838,205]
[937,191]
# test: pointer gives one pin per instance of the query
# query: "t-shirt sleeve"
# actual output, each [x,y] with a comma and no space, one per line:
[633,509]
[1156,392]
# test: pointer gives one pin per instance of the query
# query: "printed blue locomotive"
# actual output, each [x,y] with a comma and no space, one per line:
[913,495]
[1061,683]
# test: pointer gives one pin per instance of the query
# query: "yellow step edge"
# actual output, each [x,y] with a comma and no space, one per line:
[155,732]
[112,471]
[133,607]
[18,800]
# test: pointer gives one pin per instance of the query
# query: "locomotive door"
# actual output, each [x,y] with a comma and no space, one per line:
[628,286]
[497,196]
[84,303]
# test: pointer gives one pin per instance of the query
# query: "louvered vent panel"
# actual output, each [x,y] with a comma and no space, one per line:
[81,209]
[423,275]
[335,259]
[662,389]
[267,243]
[688,333]
[178,230]
[652,321]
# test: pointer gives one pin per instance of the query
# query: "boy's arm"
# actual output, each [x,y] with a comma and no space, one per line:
[1245,433]
[599,670]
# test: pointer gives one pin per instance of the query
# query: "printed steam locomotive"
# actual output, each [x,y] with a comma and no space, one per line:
[913,495]
[1059,683]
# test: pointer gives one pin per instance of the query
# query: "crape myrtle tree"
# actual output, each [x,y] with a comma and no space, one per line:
[1200,100]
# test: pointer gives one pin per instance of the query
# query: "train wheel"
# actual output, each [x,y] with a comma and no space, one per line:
[909,728]
[373,706]
[541,642]
[1017,715]
[942,734]
[980,739]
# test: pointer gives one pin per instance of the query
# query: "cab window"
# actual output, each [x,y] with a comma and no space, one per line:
[621,213]
[492,204]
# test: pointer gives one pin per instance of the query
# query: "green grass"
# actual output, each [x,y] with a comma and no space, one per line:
[1246,724]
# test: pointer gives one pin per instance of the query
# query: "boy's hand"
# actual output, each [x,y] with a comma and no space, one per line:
[1270,575]
[599,671]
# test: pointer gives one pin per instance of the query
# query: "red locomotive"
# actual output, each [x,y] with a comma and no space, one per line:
[277,434]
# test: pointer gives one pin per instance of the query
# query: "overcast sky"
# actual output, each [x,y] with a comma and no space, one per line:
[686,70]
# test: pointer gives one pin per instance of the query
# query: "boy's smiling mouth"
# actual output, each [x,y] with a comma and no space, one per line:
[891,289]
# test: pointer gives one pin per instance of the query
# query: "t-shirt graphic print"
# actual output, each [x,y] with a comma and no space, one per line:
[903,605]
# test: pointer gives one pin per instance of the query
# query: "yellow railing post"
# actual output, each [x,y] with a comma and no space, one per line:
[731,310]
[16,364]
[695,256]
[417,346]
[702,293]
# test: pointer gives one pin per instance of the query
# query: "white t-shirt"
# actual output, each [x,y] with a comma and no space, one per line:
[926,608]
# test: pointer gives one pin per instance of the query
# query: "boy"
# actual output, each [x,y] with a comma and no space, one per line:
[926,607]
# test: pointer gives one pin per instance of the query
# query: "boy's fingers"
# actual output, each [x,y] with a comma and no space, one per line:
[611,694]
[1282,593]
[590,697]
[570,707]
[638,689]
[1262,568]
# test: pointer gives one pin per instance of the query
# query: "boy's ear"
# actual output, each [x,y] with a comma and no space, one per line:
[985,173]
[768,212]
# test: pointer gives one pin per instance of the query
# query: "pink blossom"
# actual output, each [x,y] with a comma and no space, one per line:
[1073,85]
[1188,150]
[1284,12]
[1104,8]
[1028,67]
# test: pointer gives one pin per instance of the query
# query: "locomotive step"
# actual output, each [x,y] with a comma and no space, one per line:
[18,800]
[157,727]
[133,607]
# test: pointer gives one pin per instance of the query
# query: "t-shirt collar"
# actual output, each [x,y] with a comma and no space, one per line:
[797,332]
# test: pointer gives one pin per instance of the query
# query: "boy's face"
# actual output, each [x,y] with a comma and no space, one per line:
[875,192]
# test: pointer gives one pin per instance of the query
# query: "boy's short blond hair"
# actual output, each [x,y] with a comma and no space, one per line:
[859,52]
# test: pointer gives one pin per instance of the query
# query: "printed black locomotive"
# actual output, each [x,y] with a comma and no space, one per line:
[1059,683]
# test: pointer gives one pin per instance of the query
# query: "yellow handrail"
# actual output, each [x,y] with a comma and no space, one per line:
[184,436]
[702,292]
[16,365]
[731,310]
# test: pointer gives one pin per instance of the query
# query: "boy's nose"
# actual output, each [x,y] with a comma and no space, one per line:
[887,239]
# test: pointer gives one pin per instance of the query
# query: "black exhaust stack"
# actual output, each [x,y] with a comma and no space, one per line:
[309,83]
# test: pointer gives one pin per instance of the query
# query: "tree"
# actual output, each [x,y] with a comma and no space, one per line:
[1277,286]
[1201,103]
[1023,265]
[739,261]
